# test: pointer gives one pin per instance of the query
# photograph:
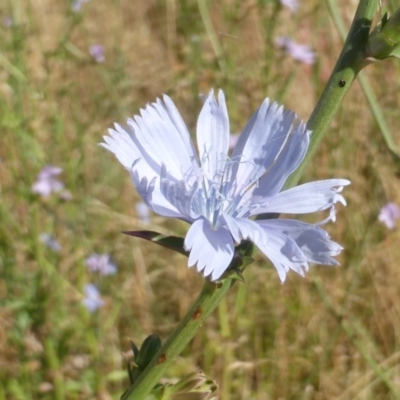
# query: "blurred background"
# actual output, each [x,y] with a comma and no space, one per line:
[74,291]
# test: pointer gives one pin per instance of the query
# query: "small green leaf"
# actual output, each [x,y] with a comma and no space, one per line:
[149,349]
[135,350]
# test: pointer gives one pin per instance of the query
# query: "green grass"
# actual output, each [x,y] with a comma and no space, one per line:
[331,335]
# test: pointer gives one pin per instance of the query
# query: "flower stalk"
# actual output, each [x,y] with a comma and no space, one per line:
[207,301]
[350,62]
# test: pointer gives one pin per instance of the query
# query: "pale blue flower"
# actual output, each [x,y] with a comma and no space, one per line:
[300,52]
[92,300]
[97,52]
[7,22]
[218,194]
[101,263]
[47,182]
[292,4]
[388,215]
[50,242]
[77,5]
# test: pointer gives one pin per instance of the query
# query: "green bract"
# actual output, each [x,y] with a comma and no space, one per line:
[384,41]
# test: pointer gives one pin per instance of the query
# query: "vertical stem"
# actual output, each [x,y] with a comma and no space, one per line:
[350,62]
[376,109]
[205,304]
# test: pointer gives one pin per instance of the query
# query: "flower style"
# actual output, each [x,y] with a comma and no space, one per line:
[101,263]
[218,193]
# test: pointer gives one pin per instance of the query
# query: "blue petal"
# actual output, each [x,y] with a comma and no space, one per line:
[152,196]
[241,229]
[121,143]
[159,137]
[180,195]
[307,198]
[287,161]
[163,142]
[212,250]
[261,141]
[313,241]
[283,252]
[213,136]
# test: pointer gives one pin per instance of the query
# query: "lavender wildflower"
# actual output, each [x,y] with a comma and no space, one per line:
[7,22]
[92,300]
[300,52]
[101,263]
[388,215]
[218,195]
[50,242]
[97,52]
[292,4]
[47,182]
[77,5]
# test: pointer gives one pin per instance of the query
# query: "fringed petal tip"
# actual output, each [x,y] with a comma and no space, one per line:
[283,270]
[210,250]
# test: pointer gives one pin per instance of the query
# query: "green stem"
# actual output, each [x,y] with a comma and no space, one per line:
[350,62]
[346,69]
[366,87]
[204,305]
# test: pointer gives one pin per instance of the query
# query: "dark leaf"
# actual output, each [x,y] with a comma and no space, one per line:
[171,242]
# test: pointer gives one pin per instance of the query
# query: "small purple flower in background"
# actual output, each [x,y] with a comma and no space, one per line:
[7,22]
[77,5]
[47,182]
[219,195]
[97,52]
[50,242]
[299,52]
[292,4]
[92,300]
[143,212]
[388,215]
[101,263]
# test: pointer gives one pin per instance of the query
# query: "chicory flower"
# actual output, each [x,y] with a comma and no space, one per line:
[97,52]
[300,52]
[388,215]
[219,193]
[292,4]
[101,263]
[47,181]
[92,300]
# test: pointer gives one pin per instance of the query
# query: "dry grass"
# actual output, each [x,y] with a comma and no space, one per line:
[332,335]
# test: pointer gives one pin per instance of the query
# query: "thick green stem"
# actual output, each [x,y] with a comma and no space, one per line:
[346,69]
[350,62]
[204,305]
[374,106]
